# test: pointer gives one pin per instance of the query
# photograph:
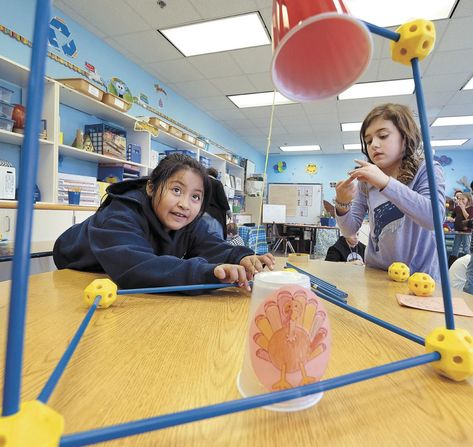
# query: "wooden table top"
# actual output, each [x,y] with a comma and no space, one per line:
[152,355]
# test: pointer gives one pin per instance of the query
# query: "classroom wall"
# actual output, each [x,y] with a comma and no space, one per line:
[332,168]
[19,17]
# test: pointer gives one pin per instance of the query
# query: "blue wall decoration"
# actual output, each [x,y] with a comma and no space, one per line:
[443,160]
[279,167]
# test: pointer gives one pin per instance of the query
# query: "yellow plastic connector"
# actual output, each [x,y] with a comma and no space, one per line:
[456,348]
[34,425]
[398,271]
[421,284]
[104,287]
[417,40]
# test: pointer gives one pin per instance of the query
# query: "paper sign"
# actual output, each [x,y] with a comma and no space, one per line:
[434,304]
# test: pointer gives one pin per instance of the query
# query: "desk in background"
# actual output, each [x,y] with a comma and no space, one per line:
[152,355]
[320,238]
[41,258]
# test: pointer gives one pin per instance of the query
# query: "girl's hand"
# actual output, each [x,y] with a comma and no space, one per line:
[254,263]
[345,190]
[370,173]
[232,273]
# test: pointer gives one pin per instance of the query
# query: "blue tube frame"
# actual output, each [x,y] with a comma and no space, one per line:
[48,389]
[28,170]
[171,289]
[18,296]
[197,414]
[429,163]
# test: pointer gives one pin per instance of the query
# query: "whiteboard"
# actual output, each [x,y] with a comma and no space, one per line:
[274,213]
[303,201]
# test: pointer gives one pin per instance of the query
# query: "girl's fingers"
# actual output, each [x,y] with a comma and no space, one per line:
[362,162]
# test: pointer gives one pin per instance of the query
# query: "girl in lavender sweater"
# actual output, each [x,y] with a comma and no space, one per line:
[392,187]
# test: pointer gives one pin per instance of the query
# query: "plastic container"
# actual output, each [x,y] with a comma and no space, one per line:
[107,140]
[116,102]
[133,153]
[6,110]
[6,124]
[156,122]
[204,161]
[181,151]
[73,197]
[83,86]
[175,131]
[189,138]
[5,94]
[201,143]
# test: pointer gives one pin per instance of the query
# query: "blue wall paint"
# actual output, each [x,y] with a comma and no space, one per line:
[110,63]
[332,168]
[461,166]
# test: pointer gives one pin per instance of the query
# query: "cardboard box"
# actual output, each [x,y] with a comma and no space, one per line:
[83,86]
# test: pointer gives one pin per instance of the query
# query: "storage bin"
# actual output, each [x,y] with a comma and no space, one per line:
[107,140]
[83,86]
[201,143]
[117,103]
[180,151]
[175,131]
[189,138]
[156,122]
[114,172]
[5,94]
[204,161]
[6,110]
[133,153]
[6,124]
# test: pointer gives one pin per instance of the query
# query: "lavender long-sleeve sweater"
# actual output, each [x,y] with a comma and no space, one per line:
[401,223]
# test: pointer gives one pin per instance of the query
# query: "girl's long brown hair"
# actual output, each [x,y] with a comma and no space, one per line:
[402,117]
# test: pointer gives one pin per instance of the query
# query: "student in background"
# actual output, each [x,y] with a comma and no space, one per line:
[217,207]
[233,237]
[468,288]
[462,212]
[347,249]
[148,233]
[392,186]
[457,272]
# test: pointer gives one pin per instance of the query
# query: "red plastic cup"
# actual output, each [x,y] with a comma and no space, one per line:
[319,49]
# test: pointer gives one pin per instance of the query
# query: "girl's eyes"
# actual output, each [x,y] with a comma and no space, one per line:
[196,197]
[176,190]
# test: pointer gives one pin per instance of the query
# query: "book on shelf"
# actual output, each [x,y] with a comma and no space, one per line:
[89,192]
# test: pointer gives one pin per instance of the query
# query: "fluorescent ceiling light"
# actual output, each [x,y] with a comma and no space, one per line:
[469,85]
[453,121]
[381,88]
[389,13]
[352,147]
[212,36]
[313,147]
[440,143]
[258,99]
[351,127]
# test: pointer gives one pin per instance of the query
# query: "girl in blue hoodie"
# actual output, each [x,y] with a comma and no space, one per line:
[148,233]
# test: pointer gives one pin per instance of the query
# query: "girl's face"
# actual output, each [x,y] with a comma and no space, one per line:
[179,201]
[385,145]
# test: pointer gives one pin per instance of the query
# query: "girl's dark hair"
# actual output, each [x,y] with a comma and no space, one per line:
[402,117]
[173,163]
[232,228]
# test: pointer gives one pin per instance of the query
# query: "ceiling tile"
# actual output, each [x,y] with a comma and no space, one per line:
[149,45]
[253,60]
[447,62]
[179,70]
[459,35]
[233,85]
[211,9]
[216,65]
[262,82]
[175,13]
[71,12]
[196,89]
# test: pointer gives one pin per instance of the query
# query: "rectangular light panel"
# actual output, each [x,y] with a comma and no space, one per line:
[258,99]
[378,89]
[313,147]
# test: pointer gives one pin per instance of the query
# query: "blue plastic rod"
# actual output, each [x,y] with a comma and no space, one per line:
[320,283]
[429,163]
[325,296]
[375,320]
[198,414]
[61,366]
[28,168]
[383,32]
[171,289]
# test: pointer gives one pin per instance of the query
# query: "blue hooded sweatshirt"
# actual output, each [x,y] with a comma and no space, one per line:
[126,240]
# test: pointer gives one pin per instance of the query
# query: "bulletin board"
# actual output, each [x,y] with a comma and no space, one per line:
[303,201]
